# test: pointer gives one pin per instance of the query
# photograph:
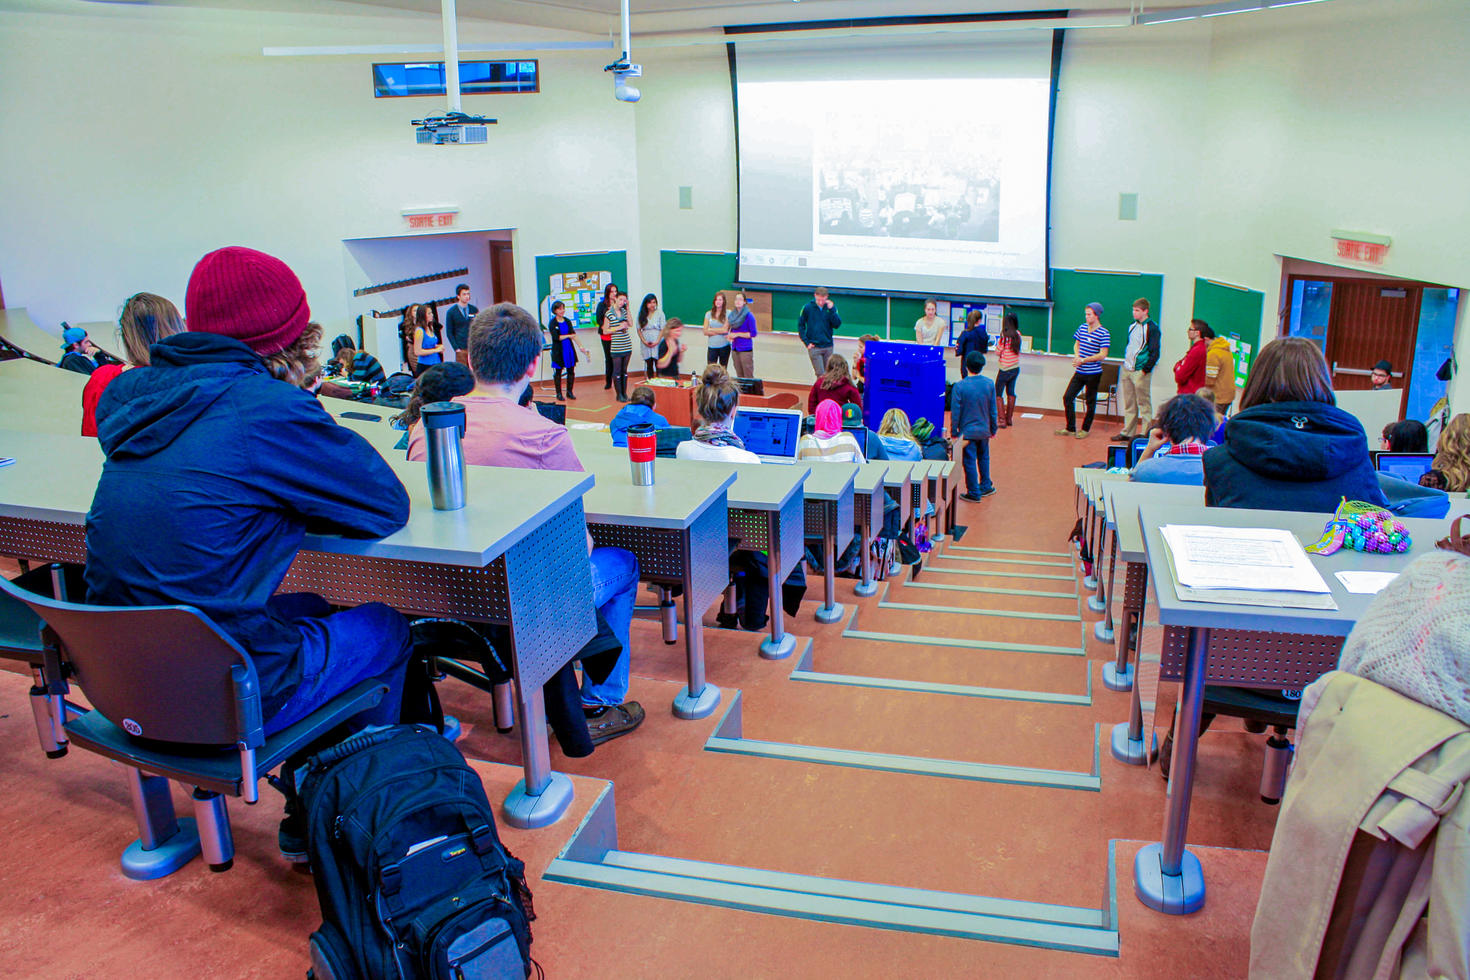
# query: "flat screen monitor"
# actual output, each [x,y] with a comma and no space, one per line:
[770,433]
[1405,466]
[1117,457]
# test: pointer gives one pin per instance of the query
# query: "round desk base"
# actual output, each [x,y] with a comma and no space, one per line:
[1113,678]
[1089,582]
[1131,751]
[1178,894]
[778,649]
[1095,604]
[166,858]
[1102,631]
[830,614]
[689,707]
[864,591]
[528,812]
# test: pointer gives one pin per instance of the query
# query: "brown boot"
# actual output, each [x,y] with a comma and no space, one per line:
[1010,409]
[1000,413]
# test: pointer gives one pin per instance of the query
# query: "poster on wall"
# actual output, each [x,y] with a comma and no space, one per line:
[580,291]
[1242,352]
[959,315]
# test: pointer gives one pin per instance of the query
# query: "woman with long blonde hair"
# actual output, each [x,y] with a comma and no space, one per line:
[1453,455]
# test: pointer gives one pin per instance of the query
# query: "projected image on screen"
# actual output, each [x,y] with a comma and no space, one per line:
[855,174]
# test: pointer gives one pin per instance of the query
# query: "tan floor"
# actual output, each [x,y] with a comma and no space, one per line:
[70,913]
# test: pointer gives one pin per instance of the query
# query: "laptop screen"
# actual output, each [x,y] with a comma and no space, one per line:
[1405,466]
[1117,457]
[769,432]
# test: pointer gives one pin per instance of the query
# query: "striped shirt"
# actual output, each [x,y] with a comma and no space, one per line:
[1007,353]
[622,340]
[840,448]
[1089,342]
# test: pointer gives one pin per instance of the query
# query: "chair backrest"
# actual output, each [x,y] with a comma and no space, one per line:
[1109,378]
[159,672]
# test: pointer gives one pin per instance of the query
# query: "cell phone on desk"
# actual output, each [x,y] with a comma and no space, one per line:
[362,416]
[6,460]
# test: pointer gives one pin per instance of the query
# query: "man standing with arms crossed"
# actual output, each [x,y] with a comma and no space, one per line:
[1136,376]
[818,321]
[457,323]
[1089,348]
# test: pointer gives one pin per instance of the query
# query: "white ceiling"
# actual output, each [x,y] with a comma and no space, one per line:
[599,16]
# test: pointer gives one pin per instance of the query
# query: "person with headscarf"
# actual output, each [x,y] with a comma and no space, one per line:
[829,443]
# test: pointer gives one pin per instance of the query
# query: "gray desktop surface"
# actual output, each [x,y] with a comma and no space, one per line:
[756,487]
[830,481]
[869,477]
[1123,500]
[54,478]
[1307,528]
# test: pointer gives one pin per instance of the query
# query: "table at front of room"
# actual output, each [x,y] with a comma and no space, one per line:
[516,559]
[1243,646]
[830,502]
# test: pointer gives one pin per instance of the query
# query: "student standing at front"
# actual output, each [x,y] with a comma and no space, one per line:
[973,418]
[1136,378]
[818,321]
[1090,347]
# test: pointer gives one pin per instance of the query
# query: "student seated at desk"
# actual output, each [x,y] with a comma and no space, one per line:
[203,502]
[716,399]
[353,364]
[1452,459]
[438,383]
[828,443]
[638,411]
[145,320]
[836,385]
[505,354]
[1407,436]
[1176,446]
[898,437]
[1290,447]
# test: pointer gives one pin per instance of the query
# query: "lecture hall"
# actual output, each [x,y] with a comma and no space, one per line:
[734,489]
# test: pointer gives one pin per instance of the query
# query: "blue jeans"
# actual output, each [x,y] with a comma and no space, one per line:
[977,457]
[614,586]
[340,650]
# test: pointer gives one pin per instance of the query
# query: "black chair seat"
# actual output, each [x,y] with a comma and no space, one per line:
[217,769]
[1266,707]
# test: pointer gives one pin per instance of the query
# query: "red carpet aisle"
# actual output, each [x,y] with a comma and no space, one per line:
[994,635]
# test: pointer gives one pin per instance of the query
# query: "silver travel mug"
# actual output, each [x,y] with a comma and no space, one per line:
[443,424]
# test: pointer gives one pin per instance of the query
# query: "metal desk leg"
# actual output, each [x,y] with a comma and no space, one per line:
[1168,878]
[1119,675]
[780,644]
[699,698]
[541,798]
[1089,535]
[1128,745]
[941,509]
[829,611]
[867,586]
[1103,601]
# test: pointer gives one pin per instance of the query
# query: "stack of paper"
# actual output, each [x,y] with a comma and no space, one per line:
[1251,566]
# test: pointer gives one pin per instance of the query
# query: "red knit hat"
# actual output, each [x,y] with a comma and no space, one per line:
[248,295]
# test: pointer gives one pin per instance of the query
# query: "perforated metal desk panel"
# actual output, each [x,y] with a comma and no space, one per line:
[829,493]
[898,481]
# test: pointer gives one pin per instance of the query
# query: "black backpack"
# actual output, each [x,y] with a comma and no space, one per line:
[412,879]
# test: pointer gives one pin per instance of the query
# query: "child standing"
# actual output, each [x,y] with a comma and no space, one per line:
[564,347]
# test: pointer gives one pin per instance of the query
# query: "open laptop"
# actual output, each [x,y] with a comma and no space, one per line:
[1136,448]
[1405,466]
[770,433]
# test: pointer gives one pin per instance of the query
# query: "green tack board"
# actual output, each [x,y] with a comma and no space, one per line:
[860,314]
[1234,312]
[690,280]
[548,265]
[1033,322]
[1073,289]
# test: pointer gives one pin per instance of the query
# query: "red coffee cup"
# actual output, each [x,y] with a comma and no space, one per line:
[642,450]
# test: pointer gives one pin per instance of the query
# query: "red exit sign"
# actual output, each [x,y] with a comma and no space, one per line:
[1361,246]
[436,218]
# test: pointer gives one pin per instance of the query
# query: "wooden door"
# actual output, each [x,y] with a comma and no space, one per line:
[1372,320]
[502,272]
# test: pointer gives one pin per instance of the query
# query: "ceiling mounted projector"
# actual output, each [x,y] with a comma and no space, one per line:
[452,127]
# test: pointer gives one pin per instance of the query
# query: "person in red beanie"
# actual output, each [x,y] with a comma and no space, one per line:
[213,474]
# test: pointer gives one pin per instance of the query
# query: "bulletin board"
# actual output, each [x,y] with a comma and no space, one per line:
[573,275]
[1073,289]
[1233,312]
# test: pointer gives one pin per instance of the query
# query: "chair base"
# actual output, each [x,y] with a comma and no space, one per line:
[527,812]
[1131,751]
[830,614]
[778,649]
[1095,604]
[1115,679]
[1178,894]
[865,591]
[1089,582]
[166,858]
[1102,631]
[689,707]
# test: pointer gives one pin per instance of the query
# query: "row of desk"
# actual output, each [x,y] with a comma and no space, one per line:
[505,555]
[1205,642]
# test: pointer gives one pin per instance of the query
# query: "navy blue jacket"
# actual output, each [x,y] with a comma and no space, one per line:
[973,339]
[1303,456]
[816,324]
[214,472]
[972,412]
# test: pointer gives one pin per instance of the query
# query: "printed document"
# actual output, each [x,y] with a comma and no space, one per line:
[1256,559]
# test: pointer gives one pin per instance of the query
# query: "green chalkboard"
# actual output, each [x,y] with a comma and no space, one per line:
[1234,312]
[1073,289]
[1033,322]
[860,314]
[690,280]
[549,265]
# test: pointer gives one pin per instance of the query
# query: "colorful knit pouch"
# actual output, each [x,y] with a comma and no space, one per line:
[1363,527]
